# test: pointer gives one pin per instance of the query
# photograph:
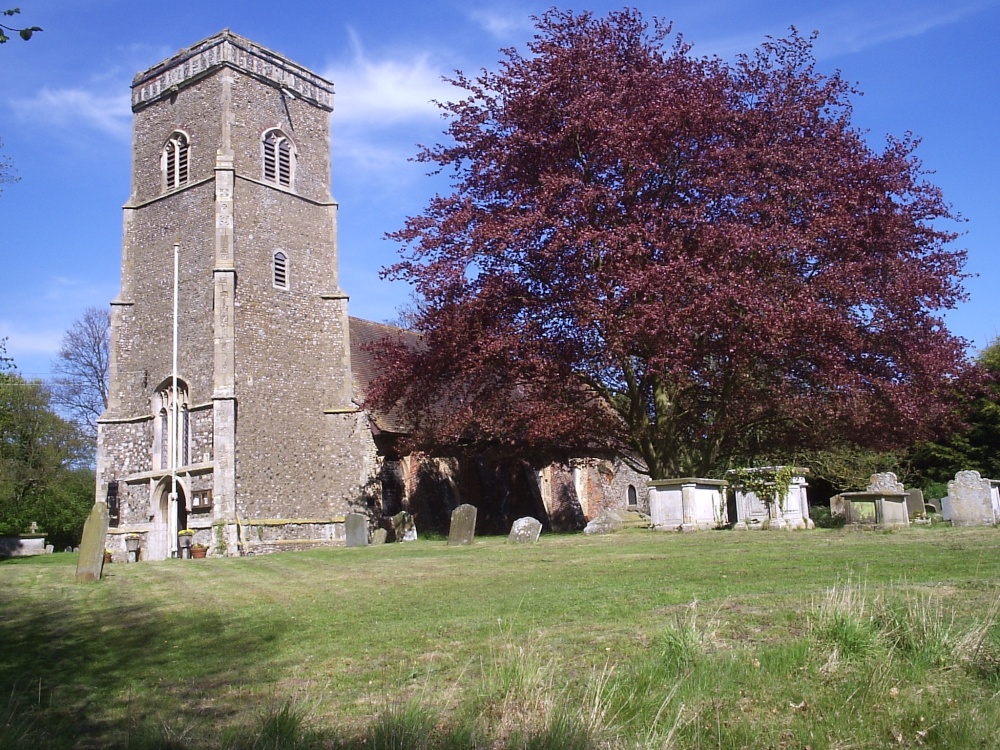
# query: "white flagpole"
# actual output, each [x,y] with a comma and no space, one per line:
[172,525]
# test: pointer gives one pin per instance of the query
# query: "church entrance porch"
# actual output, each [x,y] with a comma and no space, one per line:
[169,516]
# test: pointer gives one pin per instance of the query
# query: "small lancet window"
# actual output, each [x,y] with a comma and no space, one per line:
[279,158]
[175,160]
[280,270]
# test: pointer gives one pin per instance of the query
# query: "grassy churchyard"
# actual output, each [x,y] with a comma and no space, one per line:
[820,639]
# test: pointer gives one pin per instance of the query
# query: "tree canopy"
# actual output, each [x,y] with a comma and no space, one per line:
[676,258]
[973,445]
[43,477]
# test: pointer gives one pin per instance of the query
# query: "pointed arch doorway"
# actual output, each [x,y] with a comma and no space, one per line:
[168,518]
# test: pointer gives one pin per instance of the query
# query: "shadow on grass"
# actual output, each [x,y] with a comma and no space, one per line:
[75,673]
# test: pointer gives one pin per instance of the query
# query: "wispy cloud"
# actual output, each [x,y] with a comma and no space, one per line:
[503,23]
[855,32]
[851,27]
[388,91]
[107,113]
[29,342]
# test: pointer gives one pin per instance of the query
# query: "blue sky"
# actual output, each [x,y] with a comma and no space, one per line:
[924,66]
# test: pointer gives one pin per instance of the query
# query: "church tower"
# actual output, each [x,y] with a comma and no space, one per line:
[256,428]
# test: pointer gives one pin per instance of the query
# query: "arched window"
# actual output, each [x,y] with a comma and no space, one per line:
[633,496]
[171,439]
[174,161]
[280,270]
[279,158]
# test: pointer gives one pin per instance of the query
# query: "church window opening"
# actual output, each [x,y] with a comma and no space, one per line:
[171,439]
[175,160]
[279,158]
[280,270]
[201,501]
[633,496]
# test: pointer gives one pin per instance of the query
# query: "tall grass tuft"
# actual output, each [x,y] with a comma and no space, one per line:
[407,726]
[843,620]
[16,725]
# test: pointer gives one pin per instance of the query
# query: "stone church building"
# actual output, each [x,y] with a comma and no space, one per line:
[255,439]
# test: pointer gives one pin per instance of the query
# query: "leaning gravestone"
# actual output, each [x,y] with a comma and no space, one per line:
[968,502]
[356,529]
[915,502]
[525,530]
[403,527]
[95,529]
[606,523]
[463,525]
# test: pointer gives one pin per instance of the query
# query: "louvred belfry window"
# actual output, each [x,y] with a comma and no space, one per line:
[175,161]
[280,270]
[279,158]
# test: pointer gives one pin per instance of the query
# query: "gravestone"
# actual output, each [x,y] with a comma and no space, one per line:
[356,529]
[403,527]
[463,525]
[606,523]
[49,549]
[95,529]
[968,502]
[915,502]
[379,536]
[525,530]
[885,482]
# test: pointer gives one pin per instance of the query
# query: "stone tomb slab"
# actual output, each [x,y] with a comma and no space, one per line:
[525,531]
[463,525]
[91,563]
[356,530]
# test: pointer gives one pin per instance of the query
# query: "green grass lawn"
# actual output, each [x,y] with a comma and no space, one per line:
[820,639]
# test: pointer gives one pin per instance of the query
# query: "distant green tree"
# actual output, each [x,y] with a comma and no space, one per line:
[42,461]
[25,33]
[974,446]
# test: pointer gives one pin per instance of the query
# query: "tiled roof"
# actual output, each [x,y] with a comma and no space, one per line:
[364,366]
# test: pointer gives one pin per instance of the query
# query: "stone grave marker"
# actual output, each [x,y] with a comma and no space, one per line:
[525,530]
[915,502]
[463,525]
[968,502]
[356,529]
[606,523]
[95,529]
[379,536]
[403,527]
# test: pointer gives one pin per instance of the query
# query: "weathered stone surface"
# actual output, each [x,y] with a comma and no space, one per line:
[606,523]
[91,562]
[379,536]
[968,502]
[525,531]
[356,526]
[403,527]
[885,482]
[463,525]
[915,502]
[22,546]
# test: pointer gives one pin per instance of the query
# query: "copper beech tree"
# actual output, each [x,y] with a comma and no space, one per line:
[676,258]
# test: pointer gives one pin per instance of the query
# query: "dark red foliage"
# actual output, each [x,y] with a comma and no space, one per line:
[674,257]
